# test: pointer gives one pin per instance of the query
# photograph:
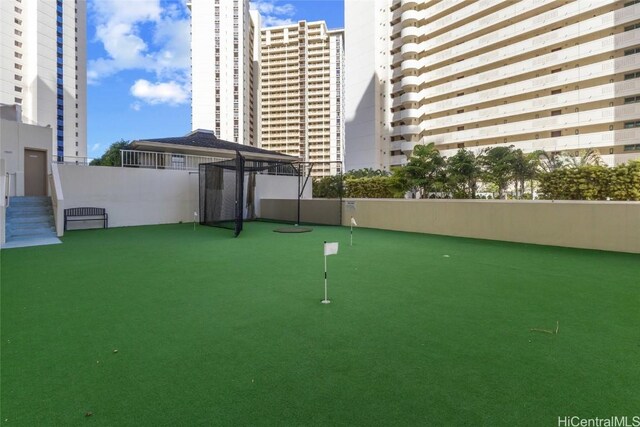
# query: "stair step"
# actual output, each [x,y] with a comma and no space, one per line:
[32,232]
[30,225]
[31,218]
[29,201]
[15,211]
[23,242]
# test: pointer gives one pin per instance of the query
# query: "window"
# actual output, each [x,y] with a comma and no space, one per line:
[556,133]
[557,70]
[632,75]
[556,112]
[631,3]
[632,99]
[632,147]
[629,125]
[631,51]
[555,92]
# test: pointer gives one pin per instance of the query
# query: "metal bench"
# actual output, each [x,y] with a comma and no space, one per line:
[86,214]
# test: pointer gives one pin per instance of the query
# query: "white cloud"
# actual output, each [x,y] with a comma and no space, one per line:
[172,93]
[273,13]
[140,35]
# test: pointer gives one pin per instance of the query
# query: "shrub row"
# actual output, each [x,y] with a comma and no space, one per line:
[621,182]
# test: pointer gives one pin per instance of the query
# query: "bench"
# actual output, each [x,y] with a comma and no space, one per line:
[86,214]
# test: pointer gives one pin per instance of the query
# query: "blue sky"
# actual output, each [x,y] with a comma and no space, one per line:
[138,63]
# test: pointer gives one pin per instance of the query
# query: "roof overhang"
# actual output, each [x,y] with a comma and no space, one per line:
[206,151]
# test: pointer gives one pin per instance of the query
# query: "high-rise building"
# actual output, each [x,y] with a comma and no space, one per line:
[223,81]
[559,76]
[43,68]
[302,102]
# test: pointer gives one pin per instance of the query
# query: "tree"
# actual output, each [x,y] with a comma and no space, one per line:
[525,167]
[425,171]
[463,172]
[550,162]
[111,157]
[553,161]
[497,167]
[365,173]
[328,187]
[588,157]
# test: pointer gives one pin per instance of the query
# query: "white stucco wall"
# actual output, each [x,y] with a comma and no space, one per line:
[148,196]
[131,196]
[278,187]
[14,138]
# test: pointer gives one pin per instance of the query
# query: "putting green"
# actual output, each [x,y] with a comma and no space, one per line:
[212,330]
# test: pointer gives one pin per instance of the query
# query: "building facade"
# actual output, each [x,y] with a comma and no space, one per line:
[43,69]
[302,94]
[224,37]
[559,76]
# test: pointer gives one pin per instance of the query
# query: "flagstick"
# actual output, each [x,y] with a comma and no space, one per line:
[351,235]
[325,300]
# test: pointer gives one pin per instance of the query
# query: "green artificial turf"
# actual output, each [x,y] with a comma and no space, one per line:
[212,330]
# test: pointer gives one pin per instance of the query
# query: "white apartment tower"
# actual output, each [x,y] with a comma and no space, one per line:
[302,102]
[559,76]
[43,68]
[224,37]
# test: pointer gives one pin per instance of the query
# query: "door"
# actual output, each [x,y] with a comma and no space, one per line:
[35,172]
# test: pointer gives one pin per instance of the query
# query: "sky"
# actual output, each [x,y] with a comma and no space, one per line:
[138,63]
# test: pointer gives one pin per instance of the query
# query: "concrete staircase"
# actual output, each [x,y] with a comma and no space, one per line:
[30,222]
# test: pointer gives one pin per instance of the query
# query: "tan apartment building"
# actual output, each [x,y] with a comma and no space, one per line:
[302,102]
[559,76]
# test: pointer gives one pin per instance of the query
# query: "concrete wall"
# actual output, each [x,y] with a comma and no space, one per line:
[278,187]
[134,196]
[131,196]
[14,138]
[612,226]
[313,211]
[3,200]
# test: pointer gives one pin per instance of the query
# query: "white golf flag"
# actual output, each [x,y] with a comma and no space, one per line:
[353,221]
[331,248]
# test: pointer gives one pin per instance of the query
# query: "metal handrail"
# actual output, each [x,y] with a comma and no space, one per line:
[7,189]
[71,160]
[163,160]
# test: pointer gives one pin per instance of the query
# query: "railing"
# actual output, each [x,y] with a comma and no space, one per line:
[186,162]
[57,199]
[155,160]
[70,160]
[7,189]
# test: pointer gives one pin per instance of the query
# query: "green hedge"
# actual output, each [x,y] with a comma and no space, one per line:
[592,183]
[376,187]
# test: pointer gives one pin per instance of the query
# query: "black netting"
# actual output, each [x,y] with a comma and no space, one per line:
[227,190]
